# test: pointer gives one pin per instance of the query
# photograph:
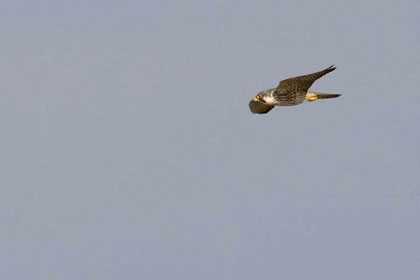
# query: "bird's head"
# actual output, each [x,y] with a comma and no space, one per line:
[259,98]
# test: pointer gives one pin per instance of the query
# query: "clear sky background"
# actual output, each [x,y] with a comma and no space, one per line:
[128,151]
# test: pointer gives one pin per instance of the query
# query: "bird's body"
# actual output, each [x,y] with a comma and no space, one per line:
[290,92]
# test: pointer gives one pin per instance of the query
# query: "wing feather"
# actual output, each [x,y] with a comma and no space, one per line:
[303,83]
[259,108]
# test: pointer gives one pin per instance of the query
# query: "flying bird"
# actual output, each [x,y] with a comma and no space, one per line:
[292,91]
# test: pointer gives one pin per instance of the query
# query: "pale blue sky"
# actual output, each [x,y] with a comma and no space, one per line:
[127,149]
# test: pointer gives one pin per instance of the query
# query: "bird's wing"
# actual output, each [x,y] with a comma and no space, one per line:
[302,83]
[259,108]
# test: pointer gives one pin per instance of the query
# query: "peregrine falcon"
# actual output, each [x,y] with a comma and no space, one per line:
[292,91]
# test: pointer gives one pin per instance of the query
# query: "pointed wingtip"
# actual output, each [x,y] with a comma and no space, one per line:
[331,68]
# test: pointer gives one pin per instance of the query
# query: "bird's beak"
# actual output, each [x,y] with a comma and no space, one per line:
[255,98]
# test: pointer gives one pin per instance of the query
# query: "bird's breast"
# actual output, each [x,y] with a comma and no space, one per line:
[269,99]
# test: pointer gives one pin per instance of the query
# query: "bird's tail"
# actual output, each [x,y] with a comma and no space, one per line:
[312,96]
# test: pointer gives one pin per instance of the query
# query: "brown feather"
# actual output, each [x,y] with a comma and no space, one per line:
[259,107]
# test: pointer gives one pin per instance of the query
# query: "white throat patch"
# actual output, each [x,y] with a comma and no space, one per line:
[270,100]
